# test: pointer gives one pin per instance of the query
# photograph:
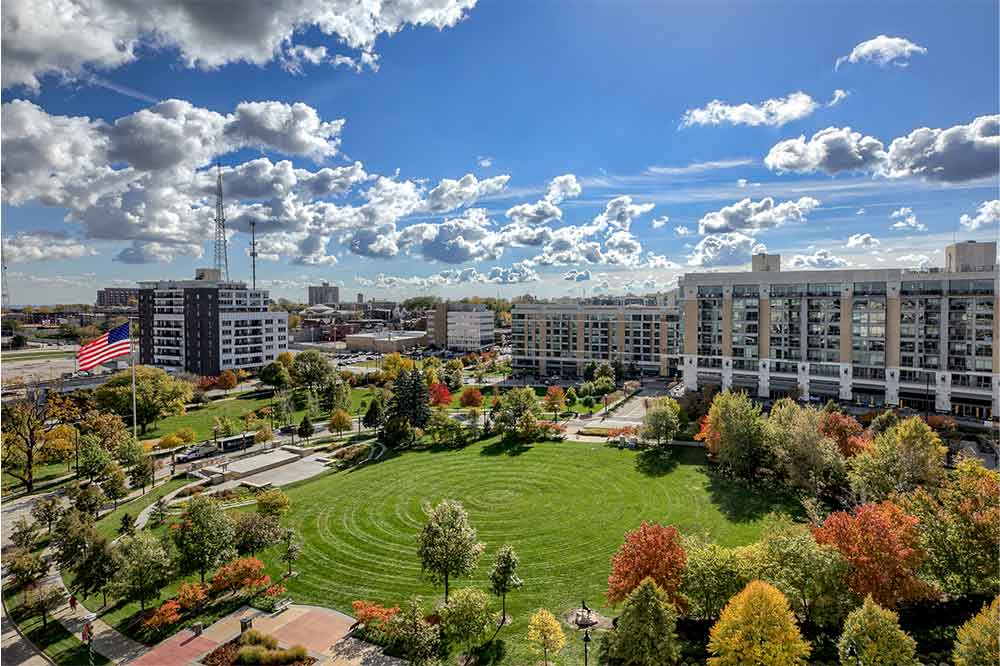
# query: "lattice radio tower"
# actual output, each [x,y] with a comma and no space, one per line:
[221,252]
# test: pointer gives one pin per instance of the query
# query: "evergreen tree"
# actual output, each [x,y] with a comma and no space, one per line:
[872,637]
[646,631]
[375,414]
[421,401]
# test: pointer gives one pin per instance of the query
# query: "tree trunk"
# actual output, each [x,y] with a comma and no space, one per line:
[104,594]
[503,611]
[446,588]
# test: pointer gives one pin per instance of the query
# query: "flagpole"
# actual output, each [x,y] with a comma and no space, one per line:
[135,427]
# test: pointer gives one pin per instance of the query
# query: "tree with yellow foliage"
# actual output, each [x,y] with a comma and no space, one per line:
[757,628]
[977,639]
[545,632]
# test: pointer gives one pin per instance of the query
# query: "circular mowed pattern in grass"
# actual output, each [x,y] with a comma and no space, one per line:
[565,508]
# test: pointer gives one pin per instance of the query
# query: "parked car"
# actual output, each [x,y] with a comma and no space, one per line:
[197,452]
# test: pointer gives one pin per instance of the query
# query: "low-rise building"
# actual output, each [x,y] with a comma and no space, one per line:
[385,342]
[117,297]
[466,327]
[324,294]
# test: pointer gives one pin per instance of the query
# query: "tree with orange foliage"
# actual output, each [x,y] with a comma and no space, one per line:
[471,397]
[881,546]
[245,573]
[440,395]
[708,436]
[166,615]
[652,551]
[227,381]
[840,428]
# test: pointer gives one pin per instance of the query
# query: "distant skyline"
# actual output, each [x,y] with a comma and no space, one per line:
[456,147]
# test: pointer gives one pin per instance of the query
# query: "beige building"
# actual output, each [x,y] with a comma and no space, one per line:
[916,338]
[466,327]
[385,342]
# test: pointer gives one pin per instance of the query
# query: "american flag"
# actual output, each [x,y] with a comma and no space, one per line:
[111,345]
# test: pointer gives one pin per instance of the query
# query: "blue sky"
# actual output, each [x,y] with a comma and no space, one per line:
[515,94]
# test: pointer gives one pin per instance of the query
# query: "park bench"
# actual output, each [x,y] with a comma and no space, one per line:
[282,604]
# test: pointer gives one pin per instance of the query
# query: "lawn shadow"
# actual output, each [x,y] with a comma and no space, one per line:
[493,652]
[655,463]
[510,447]
[742,501]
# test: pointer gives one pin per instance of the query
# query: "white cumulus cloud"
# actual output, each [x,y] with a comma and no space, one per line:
[987,213]
[772,112]
[863,242]
[833,150]
[750,216]
[882,50]
[906,219]
[820,259]
[726,249]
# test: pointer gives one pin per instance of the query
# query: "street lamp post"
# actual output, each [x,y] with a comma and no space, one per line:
[586,646]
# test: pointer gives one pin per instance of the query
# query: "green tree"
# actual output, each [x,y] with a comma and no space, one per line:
[143,566]
[571,396]
[504,578]
[114,485]
[94,572]
[518,414]
[338,394]
[421,399]
[757,627]
[141,474]
[72,535]
[305,429]
[884,422]
[646,631]
[809,574]
[418,640]
[907,455]
[977,639]
[95,460]
[205,537]
[276,376]
[604,370]
[157,395]
[660,423]
[808,460]
[46,510]
[25,568]
[713,574]
[158,514]
[90,500]
[24,534]
[872,637]
[310,369]
[127,525]
[291,548]
[737,434]
[397,432]
[447,544]
[129,452]
[445,430]
[467,617]
[546,634]
[375,414]
[959,528]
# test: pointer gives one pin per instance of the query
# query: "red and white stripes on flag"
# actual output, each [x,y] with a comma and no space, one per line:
[112,344]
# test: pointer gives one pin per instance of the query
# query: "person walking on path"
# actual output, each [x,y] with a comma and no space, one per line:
[72,602]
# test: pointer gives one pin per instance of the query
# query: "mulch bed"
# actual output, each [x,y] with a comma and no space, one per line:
[225,655]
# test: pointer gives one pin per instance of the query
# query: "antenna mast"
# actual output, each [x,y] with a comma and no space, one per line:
[221,252]
[6,282]
[253,254]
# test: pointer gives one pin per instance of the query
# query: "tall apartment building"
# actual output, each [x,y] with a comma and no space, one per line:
[207,325]
[460,326]
[117,297]
[920,339]
[561,338]
[324,294]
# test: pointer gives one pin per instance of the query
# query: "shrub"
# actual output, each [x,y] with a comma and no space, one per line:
[371,614]
[166,615]
[977,638]
[256,637]
[191,595]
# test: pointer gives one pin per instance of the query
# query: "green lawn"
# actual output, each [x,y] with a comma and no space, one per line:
[108,525]
[201,418]
[564,506]
[59,644]
[43,474]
